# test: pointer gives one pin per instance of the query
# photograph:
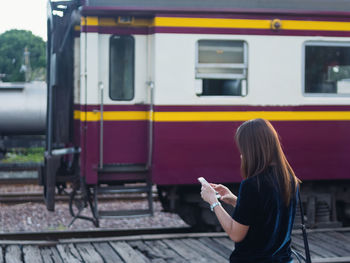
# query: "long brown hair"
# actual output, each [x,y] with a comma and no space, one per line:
[260,148]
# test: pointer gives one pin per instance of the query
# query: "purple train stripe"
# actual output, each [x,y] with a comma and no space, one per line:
[112,107]
[213,108]
[103,11]
[221,31]
[183,151]
[117,30]
[316,151]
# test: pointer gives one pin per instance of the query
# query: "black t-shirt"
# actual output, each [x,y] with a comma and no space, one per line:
[260,206]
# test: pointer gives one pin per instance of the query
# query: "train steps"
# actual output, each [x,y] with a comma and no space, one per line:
[138,175]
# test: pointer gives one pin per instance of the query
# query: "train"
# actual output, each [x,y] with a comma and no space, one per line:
[22,115]
[145,94]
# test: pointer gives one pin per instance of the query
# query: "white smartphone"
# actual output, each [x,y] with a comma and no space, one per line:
[203,181]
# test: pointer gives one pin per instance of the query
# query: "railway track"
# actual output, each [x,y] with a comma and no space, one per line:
[152,245]
[26,197]
[19,173]
[15,167]
[56,236]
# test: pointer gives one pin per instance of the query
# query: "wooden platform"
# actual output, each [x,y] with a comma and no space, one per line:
[325,245]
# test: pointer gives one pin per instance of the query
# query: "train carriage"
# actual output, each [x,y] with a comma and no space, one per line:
[151,92]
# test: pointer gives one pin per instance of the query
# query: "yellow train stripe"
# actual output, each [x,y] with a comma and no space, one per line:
[249,23]
[112,115]
[215,116]
[218,23]
[89,21]
[315,25]
[113,21]
[211,22]
[77,28]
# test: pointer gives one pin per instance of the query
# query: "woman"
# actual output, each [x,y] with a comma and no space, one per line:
[264,212]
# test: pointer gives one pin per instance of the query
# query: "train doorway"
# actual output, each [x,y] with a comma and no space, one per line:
[124,109]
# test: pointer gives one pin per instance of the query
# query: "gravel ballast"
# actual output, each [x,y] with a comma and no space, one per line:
[25,217]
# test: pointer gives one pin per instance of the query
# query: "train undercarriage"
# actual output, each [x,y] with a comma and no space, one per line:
[326,204]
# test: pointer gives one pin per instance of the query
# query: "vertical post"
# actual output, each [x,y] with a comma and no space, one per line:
[52,83]
[150,130]
[150,86]
[100,86]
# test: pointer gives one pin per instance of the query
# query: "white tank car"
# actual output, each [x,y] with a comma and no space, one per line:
[23,108]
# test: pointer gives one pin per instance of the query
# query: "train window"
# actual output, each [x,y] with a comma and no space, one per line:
[327,68]
[121,67]
[222,67]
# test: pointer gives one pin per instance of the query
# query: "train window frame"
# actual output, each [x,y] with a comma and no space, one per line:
[132,67]
[303,68]
[206,78]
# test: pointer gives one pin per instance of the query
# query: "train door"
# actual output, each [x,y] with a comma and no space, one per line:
[115,135]
[124,108]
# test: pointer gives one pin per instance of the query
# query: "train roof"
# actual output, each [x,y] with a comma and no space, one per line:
[259,6]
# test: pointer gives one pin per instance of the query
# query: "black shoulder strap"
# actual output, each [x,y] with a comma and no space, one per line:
[306,243]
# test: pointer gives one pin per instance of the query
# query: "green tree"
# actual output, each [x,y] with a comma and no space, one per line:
[12,45]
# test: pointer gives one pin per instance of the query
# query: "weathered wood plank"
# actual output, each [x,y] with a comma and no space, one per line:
[28,242]
[127,253]
[50,255]
[13,254]
[32,254]
[107,252]
[314,250]
[88,253]
[215,246]
[341,237]
[228,243]
[299,250]
[334,244]
[333,260]
[326,249]
[205,251]
[171,255]
[150,252]
[160,249]
[158,260]
[298,245]
[153,251]
[69,254]
[182,249]
[346,233]
[323,230]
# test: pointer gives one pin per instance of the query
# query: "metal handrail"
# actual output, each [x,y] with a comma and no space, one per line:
[150,84]
[100,86]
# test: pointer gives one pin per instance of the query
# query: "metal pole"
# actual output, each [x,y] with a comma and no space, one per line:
[100,85]
[150,130]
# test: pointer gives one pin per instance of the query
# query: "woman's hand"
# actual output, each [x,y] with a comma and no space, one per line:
[208,194]
[226,195]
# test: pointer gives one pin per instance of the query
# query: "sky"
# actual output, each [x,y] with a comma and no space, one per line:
[24,14]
